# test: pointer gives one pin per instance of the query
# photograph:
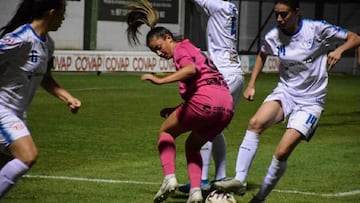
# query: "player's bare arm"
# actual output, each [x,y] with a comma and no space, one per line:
[184,73]
[51,86]
[352,41]
[249,92]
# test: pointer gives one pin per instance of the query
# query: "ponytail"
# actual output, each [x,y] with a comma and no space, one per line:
[141,13]
[22,16]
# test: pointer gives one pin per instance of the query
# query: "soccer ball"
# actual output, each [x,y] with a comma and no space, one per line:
[218,196]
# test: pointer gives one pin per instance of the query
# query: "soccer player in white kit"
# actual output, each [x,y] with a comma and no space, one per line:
[302,46]
[221,35]
[26,54]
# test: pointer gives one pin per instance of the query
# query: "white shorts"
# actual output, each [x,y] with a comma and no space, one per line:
[303,118]
[11,128]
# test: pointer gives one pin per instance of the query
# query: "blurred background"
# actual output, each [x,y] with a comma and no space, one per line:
[101,24]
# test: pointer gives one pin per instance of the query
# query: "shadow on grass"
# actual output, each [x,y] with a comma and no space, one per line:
[178,197]
[342,113]
[342,119]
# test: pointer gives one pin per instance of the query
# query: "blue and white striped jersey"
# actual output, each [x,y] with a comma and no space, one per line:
[24,58]
[222,35]
[305,79]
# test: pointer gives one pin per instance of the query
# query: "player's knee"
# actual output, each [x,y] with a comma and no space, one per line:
[282,154]
[29,159]
[255,125]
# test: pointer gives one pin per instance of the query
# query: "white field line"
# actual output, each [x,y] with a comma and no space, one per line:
[94,89]
[91,179]
[339,194]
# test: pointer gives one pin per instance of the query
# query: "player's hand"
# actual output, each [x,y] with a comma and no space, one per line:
[165,112]
[152,78]
[333,58]
[74,104]
[249,93]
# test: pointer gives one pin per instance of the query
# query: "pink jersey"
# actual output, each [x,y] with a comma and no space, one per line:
[207,74]
[206,91]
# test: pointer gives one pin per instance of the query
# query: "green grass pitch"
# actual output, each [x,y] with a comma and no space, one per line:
[108,153]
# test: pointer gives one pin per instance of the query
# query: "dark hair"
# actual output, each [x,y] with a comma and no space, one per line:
[141,13]
[293,4]
[29,10]
[158,32]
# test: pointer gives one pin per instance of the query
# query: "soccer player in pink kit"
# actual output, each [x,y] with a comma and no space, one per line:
[221,34]
[207,107]
[304,49]
[26,55]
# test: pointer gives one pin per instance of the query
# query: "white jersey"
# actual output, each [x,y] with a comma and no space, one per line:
[24,58]
[303,58]
[221,35]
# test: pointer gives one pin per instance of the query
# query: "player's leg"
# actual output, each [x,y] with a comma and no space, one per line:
[235,82]
[169,130]
[193,145]
[209,126]
[216,148]
[278,164]
[270,112]
[205,152]
[15,138]
[219,155]
[25,154]
[302,125]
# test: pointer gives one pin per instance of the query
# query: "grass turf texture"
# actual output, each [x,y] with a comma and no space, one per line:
[114,137]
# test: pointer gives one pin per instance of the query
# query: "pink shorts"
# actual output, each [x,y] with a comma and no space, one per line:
[207,115]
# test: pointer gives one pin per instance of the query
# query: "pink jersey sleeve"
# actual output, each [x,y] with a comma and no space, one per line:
[186,53]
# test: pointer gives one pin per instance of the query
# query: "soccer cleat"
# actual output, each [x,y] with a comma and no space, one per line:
[256,200]
[195,196]
[231,185]
[168,186]
[184,188]
[205,185]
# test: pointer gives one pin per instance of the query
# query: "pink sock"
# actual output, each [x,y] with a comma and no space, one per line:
[194,164]
[167,151]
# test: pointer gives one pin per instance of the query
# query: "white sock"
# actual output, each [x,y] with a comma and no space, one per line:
[246,154]
[206,158]
[219,154]
[10,173]
[275,171]
[169,176]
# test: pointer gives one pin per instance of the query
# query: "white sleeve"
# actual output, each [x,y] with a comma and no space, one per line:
[268,45]
[332,33]
[10,47]
[210,6]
